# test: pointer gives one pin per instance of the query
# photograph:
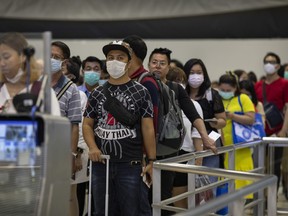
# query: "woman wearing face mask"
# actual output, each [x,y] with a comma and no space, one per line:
[199,89]
[229,91]
[13,74]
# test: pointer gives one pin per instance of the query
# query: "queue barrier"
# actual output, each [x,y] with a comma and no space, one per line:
[262,179]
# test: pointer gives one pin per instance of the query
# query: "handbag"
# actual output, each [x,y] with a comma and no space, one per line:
[118,110]
[245,133]
[274,117]
[202,197]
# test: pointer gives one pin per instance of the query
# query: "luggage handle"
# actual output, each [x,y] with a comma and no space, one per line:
[107,158]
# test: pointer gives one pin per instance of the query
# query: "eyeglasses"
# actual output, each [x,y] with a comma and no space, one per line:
[159,63]
[270,62]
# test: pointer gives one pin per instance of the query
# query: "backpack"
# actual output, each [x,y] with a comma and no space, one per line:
[171,130]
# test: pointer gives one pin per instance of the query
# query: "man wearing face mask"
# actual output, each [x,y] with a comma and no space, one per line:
[91,69]
[276,89]
[70,107]
[105,132]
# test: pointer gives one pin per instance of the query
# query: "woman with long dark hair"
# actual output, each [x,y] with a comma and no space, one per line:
[199,89]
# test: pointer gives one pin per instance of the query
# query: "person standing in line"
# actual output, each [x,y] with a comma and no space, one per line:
[71,70]
[91,69]
[192,141]
[13,74]
[135,71]
[276,89]
[70,107]
[159,64]
[235,102]
[106,132]
[199,89]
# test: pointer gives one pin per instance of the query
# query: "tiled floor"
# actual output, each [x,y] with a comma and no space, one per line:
[282,205]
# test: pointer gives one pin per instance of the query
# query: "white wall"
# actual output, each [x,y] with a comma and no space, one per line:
[219,55]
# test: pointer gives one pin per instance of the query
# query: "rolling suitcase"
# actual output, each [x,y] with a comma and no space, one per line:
[107,158]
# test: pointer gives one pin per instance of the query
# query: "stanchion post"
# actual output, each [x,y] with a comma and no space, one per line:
[156,191]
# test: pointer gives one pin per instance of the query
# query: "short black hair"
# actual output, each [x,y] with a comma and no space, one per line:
[92,59]
[65,49]
[138,46]
[278,60]
[162,51]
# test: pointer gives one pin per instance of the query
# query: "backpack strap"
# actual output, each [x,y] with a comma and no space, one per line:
[64,89]
[36,86]
[140,78]
[239,101]
[173,86]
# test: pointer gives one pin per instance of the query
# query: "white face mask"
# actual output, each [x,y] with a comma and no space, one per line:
[195,80]
[55,65]
[17,77]
[269,68]
[116,69]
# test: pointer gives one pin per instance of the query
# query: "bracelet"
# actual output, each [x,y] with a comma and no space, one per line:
[152,159]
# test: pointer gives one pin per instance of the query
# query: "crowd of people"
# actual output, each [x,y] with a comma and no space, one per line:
[82,92]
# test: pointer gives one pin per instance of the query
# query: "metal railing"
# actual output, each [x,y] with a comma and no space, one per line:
[261,181]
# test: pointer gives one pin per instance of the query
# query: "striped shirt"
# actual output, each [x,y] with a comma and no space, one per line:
[70,103]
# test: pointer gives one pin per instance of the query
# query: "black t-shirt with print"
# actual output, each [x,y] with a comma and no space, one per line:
[122,143]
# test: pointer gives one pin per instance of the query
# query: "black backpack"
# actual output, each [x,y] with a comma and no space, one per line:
[171,130]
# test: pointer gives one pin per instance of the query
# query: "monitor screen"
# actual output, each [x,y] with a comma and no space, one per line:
[21,158]
[18,141]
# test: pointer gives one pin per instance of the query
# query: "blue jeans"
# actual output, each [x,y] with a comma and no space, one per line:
[124,188]
[145,206]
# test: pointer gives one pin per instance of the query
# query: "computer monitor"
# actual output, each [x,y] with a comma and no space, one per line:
[18,141]
[21,160]
[35,165]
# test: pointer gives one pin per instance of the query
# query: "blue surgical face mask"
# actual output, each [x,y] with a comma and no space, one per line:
[55,65]
[91,77]
[226,95]
[286,75]
[102,82]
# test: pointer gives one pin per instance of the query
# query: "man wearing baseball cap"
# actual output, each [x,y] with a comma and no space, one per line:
[118,121]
